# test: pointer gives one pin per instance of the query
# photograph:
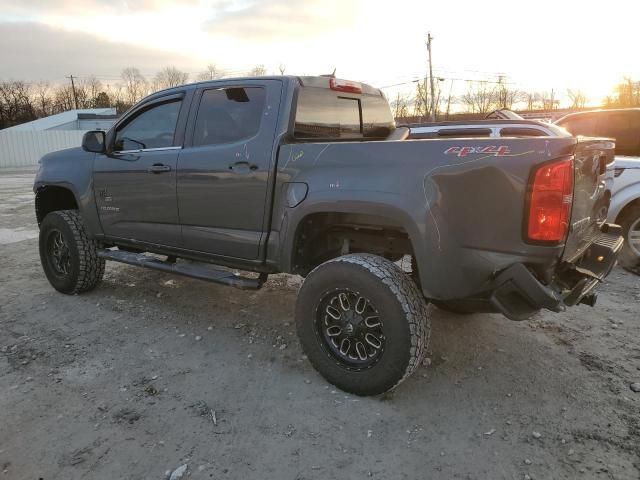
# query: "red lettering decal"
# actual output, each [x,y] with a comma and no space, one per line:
[452,151]
[464,151]
[503,151]
[491,149]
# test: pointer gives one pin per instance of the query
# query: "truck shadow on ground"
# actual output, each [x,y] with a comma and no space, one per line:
[463,348]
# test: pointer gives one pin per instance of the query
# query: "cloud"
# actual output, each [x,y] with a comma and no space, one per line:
[277,19]
[38,8]
[33,51]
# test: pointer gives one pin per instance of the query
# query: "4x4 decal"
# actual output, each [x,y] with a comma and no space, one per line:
[492,150]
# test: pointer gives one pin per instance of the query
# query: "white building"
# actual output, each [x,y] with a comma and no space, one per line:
[84,119]
[23,145]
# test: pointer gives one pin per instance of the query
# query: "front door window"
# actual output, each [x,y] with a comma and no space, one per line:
[153,128]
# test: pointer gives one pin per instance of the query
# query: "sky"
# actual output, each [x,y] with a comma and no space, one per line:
[542,45]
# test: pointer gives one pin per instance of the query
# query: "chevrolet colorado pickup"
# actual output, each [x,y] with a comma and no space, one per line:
[311,176]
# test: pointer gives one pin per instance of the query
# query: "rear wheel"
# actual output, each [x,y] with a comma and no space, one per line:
[629,257]
[68,255]
[362,322]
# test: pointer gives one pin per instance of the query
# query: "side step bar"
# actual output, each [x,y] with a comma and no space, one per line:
[201,271]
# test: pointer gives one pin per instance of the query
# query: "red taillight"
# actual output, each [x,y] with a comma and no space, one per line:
[345,86]
[550,202]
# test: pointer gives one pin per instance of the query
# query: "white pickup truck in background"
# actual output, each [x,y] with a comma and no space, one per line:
[624,210]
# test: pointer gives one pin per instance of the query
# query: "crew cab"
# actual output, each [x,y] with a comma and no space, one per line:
[311,176]
[623,125]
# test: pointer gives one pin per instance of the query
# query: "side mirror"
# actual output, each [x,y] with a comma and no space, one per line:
[94,141]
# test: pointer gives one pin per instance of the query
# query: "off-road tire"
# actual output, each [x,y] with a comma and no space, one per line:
[85,268]
[403,311]
[627,257]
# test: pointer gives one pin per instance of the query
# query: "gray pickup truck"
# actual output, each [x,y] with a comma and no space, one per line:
[310,175]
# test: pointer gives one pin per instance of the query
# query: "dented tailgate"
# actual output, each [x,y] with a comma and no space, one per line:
[591,157]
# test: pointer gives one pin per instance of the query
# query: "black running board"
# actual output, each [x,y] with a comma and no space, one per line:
[201,271]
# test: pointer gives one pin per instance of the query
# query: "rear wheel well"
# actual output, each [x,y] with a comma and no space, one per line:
[323,236]
[50,199]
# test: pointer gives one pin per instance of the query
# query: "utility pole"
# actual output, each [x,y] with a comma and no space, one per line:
[73,87]
[433,96]
[449,99]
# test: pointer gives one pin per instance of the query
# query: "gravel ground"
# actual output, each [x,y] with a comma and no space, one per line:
[150,372]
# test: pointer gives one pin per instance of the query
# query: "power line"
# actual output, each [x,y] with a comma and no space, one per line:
[415,80]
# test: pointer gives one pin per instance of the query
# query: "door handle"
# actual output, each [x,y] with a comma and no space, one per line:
[158,168]
[242,167]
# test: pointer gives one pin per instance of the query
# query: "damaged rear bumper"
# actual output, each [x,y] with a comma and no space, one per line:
[519,294]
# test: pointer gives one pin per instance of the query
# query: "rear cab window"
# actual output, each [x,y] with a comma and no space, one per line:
[325,114]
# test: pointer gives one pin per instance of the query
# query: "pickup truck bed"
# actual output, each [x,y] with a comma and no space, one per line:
[309,175]
[462,214]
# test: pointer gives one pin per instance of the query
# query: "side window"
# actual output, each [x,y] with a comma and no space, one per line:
[228,115]
[620,125]
[153,128]
[581,125]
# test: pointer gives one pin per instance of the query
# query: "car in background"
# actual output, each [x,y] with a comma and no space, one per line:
[624,126]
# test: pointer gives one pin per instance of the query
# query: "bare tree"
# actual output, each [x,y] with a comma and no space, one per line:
[115,92]
[63,98]
[93,87]
[135,85]
[118,97]
[480,97]
[258,71]
[15,103]
[578,99]
[533,100]
[170,77]
[420,103]
[282,68]
[627,94]
[212,72]
[400,106]
[549,100]
[505,96]
[42,99]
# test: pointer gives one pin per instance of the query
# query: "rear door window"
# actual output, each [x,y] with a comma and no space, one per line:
[228,115]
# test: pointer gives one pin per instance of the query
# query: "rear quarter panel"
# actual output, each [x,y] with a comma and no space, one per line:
[463,213]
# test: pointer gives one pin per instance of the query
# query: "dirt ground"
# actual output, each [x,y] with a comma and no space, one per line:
[124,383]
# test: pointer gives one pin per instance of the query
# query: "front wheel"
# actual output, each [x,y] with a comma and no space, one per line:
[68,255]
[363,323]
